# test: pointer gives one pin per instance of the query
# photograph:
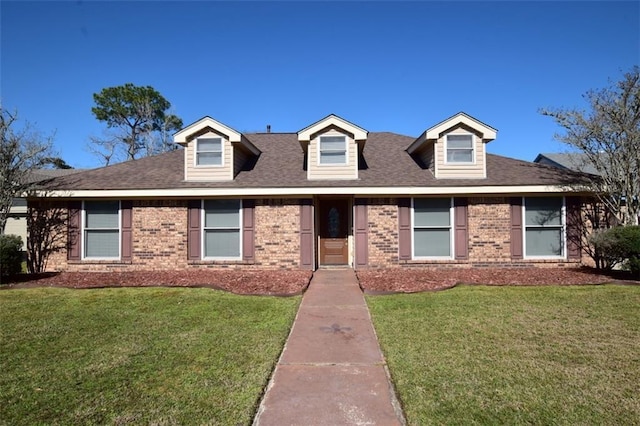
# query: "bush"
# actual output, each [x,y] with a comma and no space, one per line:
[10,255]
[620,245]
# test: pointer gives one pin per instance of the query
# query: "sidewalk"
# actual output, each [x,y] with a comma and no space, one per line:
[331,371]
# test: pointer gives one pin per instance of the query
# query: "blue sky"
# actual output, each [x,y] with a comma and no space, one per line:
[385,66]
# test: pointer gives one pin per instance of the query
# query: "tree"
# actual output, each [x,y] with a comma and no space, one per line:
[137,120]
[608,136]
[21,151]
[47,224]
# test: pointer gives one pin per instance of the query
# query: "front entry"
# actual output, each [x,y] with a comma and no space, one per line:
[334,231]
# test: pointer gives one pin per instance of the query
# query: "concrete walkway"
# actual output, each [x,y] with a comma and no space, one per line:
[331,371]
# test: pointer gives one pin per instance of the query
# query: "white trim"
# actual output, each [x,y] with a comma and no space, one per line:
[460,163]
[202,234]
[346,151]
[209,166]
[83,235]
[563,231]
[451,233]
[307,190]
[358,132]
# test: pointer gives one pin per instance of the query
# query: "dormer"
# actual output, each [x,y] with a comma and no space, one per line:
[455,148]
[332,147]
[213,151]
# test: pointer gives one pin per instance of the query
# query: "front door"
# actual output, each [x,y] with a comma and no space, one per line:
[334,232]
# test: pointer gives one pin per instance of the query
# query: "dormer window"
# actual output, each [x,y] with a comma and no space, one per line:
[460,149]
[209,152]
[333,150]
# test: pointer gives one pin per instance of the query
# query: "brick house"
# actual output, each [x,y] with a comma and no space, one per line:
[330,194]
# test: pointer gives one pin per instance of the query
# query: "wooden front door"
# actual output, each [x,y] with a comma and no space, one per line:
[334,232]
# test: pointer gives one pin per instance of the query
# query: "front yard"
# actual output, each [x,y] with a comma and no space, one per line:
[137,355]
[514,355]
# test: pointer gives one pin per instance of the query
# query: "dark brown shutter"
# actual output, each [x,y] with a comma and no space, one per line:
[194,232]
[74,231]
[361,233]
[404,228]
[574,228]
[461,233]
[516,228]
[248,230]
[126,208]
[306,234]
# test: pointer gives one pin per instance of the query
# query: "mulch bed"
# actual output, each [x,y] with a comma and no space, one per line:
[276,283]
[402,280]
[286,283]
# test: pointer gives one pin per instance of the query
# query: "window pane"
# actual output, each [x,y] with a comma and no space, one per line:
[459,156]
[222,213]
[209,158]
[544,242]
[101,244]
[543,211]
[333,158]
[101,214]
[459,141]
[432,242]
[222,243]
[332,142]
[214,144]
[431,211]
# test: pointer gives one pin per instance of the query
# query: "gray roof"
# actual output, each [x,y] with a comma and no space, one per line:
[571,161]
[384,163]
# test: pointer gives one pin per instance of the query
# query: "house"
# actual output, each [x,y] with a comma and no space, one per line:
[330,194]
[17,219]
[569,161]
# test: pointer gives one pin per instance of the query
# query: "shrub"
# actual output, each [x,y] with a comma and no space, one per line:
[10,255]
[619,245]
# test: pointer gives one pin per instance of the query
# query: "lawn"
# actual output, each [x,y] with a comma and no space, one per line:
[137,355]
[514,355]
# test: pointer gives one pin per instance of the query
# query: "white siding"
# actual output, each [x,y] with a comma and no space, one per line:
[317,171]
[460,171]
[209,173]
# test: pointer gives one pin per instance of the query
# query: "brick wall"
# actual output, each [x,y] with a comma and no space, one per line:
[383,232]
[277,233]
[489,230]
[159,239]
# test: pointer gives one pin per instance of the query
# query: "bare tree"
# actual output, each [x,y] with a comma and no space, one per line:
[22,150]
[608,137]
[47,224]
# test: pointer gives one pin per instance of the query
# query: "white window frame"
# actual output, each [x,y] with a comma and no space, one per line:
[84,229]
[450,228]
[320,151]
[563,230]
[203,230]
[473,149]
[196,152]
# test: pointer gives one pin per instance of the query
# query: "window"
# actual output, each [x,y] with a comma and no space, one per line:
[544,230]
[432,227]
[209,152]
[101,229]
[459,148]
[221,229]
[333,150]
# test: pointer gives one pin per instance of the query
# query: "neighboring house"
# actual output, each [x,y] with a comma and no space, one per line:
[331,194]
[17,220]
[571,161]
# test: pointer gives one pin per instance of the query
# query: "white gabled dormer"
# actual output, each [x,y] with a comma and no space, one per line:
[213,151]
[332,147]
[455,148]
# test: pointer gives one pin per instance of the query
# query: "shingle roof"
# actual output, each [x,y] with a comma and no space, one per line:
[281,165]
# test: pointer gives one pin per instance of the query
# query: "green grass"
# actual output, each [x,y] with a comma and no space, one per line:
[505,355]
[137,355]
